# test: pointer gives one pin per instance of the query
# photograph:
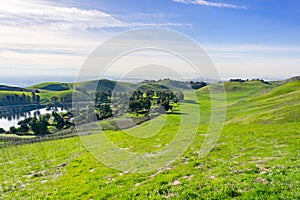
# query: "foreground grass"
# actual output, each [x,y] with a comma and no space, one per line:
[256,161]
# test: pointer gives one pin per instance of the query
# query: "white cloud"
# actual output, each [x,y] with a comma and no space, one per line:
[38,15]
[211,4]
[39,34]
[41,14]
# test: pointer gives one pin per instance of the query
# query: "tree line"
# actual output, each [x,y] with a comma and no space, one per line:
[23,99]
[135,102]
[138,101]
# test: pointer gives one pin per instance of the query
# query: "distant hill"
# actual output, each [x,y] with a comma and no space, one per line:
[11,88]
[243,89]
[105,85]
[152,86]
[102,85]
[249,94]
[168,83]
[295,78]
[54,86]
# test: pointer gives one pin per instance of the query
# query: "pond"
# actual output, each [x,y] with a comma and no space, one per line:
[12,120]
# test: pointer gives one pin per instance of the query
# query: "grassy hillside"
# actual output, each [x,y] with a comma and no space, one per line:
[46,95]
[256,157]
[56,86]
[48,90]
[102,85]
[237,91]
[173,84]
[61,90]
[11,88]
[278,105]
[4,93]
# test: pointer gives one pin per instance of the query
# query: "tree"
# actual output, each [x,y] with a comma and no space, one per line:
[135,105]
[166,105]
[146,104]
[7,98]
[102,97]
[175,100]
[24,128]
[33,96]
[60,123]
[28,99]
[38,99]
[13,130]
[39,126]
[23,98]
[103,111]
[54,99]
[158,101]
[2,130]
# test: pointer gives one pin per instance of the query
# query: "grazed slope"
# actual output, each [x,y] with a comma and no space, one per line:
[279,105]
[237,91]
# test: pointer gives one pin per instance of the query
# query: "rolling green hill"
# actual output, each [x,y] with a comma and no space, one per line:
[11,88]
[10,91]
[47,90]
[256,157]
[55,86]
[278,105]
[46,95]
[102,85]
[5,93]
[173,84]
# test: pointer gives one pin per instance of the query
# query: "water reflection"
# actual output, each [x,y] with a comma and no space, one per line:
[8,120]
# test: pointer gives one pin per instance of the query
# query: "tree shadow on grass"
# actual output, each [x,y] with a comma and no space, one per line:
[190,101]
[176,113]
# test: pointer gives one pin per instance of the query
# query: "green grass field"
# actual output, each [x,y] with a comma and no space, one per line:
[257,155]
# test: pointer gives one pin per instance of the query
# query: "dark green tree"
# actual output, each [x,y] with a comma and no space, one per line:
[2,130]
[24,125]
[54,99]
[135,105]
[166,105]
[60,123]
[33,97]
[38,99]
[13,130]
[146,104]
[39,126]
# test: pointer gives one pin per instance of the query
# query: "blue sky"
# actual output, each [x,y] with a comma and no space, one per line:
[244,38]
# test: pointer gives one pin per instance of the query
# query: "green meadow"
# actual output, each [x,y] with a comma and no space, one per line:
[257,155]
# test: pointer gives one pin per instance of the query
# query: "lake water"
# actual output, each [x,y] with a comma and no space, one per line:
[9,121]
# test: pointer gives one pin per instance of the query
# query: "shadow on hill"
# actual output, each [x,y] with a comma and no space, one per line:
[190,101]
[176,113]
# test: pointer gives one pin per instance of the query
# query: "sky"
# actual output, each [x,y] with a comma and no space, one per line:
[50,38]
